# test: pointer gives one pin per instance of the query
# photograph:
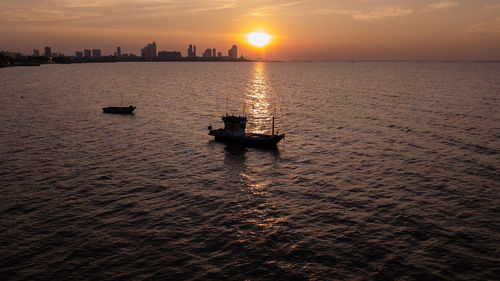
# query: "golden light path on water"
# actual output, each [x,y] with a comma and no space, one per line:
[258,102]
[261,220]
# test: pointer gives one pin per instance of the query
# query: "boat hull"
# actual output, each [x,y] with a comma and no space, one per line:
[119,109]
[247,139]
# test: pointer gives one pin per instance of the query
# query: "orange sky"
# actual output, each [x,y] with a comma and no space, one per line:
[302,30]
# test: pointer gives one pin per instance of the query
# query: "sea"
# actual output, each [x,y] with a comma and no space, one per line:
[388,171]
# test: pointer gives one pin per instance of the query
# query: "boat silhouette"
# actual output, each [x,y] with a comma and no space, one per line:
[234,132]
[119,109]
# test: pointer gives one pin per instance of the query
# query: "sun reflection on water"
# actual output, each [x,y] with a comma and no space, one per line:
[262,219]
[257,101]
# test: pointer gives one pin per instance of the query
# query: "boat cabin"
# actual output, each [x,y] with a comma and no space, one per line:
[234,125]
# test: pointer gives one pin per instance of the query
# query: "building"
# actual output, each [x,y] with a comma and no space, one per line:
[87,53]
[233,53]
[48,52]
[192,51]
[118,51]
[214,53]
[207,53]
[79,54]
[169,56]
[96,53]
[149,51]
[36,53]
[219,54]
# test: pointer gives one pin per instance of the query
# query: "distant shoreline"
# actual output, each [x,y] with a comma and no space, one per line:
[32,63]
[37,61]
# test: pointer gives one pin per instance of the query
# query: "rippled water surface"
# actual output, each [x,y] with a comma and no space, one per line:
[388,171]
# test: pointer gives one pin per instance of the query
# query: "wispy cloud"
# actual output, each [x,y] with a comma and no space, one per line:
[386,13]
[368,16]
[439,6]
[487,28]
[381,14]
[215,5]
[443,5]
[62,10]
[492,6]
[270,10]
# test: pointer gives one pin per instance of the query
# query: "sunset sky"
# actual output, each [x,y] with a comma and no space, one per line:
[301,30]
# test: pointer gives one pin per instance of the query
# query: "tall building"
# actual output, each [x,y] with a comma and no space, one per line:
[36,53]
[48,51]
[192,51]
[87,53]
[207,53]
[96,53]
[118,51]
[233,53]
[149,51]
[79,54]
[214,53]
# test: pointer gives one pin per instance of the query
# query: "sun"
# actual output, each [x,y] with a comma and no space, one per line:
[259,39]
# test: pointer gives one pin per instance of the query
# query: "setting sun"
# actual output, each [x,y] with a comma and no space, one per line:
[259,39]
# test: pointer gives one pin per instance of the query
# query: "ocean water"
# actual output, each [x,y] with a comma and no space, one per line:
[388,171]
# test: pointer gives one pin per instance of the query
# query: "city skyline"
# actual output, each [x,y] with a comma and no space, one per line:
[303,30]
[149,51]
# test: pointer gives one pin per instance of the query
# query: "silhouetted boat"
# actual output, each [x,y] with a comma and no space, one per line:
[119,109]
[234,131]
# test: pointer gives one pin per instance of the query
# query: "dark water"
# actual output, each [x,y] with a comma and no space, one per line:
[388,171]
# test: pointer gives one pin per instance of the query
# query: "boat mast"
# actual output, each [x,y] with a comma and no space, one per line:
[273,127]
[226,106]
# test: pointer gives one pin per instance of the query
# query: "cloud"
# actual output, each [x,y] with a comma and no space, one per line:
[368,16]
[492,6]
[485,29]
[439,6]
[215,5]
[54,11]
[381,14]
[443,5]
[269,10]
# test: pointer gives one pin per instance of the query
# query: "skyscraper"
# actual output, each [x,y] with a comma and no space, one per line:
[207,53]
[87,53]
[192,51]
[48,51]
[96,53]
[118,51]
[233,53]
[36,53]
[79,54]
[149,51]
[214,53]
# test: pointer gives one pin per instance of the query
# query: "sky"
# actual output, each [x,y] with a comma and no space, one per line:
[301,30]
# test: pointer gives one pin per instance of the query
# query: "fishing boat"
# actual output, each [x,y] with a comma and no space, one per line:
[234,132]
[119,109]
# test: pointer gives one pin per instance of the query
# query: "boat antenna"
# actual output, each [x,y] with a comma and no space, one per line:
[226,106]
[273,127]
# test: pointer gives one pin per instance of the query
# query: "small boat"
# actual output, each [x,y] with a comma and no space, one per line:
[119,109]
[234,132]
